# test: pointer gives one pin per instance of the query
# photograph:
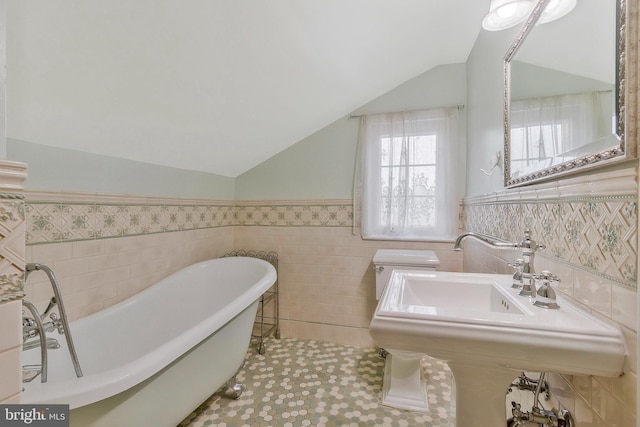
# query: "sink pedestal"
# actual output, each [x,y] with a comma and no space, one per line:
[481,394]
[403,385]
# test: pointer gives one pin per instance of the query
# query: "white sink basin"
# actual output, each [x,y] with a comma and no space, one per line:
[475,296]
[487,333]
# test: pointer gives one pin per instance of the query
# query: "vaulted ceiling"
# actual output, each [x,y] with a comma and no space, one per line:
[214,85]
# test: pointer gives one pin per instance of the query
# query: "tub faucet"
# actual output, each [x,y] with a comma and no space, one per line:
[34,327]
[61,324]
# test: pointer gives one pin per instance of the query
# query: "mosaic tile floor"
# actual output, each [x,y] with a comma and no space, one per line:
[310,383]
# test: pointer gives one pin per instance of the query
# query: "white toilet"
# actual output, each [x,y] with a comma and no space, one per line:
[386,260]
[403,386]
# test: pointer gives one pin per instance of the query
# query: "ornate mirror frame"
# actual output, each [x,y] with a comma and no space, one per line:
[590,160]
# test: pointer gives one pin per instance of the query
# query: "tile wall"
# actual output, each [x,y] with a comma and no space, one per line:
[327,282]
[12,255]
[589,227]
[106,248]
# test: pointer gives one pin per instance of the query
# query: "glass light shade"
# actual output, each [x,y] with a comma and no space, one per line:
[556,9]
[504,14]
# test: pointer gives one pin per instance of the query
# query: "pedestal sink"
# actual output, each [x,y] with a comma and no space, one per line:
[488,334]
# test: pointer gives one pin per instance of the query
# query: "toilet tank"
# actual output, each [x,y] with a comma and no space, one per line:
[386,260]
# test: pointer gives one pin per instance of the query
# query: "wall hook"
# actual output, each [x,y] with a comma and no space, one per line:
[493,162]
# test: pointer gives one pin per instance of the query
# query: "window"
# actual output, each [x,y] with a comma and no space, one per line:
[406,183]
[547,131]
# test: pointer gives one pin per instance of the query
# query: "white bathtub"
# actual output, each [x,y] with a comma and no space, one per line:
[153,358]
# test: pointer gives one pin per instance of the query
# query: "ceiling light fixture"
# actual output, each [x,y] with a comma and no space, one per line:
[556,9]
[505,14]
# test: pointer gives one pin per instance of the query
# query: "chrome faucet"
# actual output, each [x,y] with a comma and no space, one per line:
[525,276]
[517,275]
[545,295]
[36,326]
[526,272]
[529,248]
[493,241]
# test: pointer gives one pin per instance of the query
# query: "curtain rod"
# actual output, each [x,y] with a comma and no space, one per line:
[357,116]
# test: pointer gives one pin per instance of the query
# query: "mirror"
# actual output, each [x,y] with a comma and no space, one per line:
[564,92]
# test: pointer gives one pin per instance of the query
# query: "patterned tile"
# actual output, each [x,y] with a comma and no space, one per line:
[310,383]
[596,234]
[61,221]
[12,251]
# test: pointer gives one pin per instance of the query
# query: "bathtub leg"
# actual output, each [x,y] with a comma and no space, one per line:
[235,389]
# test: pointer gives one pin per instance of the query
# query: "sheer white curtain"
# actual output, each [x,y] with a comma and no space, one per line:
[551,130]
[405,186]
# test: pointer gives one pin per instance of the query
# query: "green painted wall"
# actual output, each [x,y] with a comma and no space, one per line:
[322,165]
[485,102]
[58,169]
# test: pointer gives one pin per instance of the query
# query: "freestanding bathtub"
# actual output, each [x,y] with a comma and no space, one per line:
[153,358]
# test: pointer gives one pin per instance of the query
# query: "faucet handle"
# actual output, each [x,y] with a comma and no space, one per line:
[517,264]
[528,244]
[547,275]
[546,295]
[517,275]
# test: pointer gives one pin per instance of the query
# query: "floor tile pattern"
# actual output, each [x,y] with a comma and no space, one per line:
[310,383]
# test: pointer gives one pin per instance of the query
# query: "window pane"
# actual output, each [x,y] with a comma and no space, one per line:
[423,150]
[422,180]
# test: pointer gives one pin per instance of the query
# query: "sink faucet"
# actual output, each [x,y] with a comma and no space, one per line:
[517,275]
[493,241]
[546,295]
[529,248]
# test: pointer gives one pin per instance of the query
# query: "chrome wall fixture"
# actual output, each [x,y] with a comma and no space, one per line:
[36,326]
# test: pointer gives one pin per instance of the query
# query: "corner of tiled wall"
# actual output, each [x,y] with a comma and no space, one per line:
[12,257]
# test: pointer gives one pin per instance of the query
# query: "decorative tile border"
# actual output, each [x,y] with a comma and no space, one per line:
[63,217]
[12,230]
[310,214]
[59,222]
[595,231]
